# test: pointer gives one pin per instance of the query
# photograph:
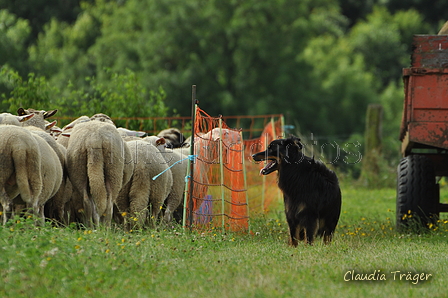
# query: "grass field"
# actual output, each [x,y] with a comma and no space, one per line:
[67,262]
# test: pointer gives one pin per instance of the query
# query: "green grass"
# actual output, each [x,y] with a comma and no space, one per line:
[66,262]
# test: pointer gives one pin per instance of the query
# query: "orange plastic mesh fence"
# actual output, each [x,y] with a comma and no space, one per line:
[225,179]
[219,194]
[210,186]
[263,192]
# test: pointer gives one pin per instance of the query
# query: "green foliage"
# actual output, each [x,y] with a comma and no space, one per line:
[40,12]
[341,83]
[13,36]
[62,51]
[391,100]
[433,14]
[246,57]
[231,50]
[122,96]
[33,92]
[378,40]
[318,62]
[14,33]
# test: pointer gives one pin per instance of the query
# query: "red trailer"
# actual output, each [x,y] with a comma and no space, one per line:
[424,132]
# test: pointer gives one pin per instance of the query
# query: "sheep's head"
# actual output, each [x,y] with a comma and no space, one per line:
[7,118]
[76,121]
[124,132]
[158,142]
[40,116]
[173,137]
[103,118]
[42,113]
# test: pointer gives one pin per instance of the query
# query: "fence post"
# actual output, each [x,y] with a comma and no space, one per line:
[193,119]
[373,142]
[245,179]
[221,171]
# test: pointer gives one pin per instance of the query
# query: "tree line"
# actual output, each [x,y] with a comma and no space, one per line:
[319,62]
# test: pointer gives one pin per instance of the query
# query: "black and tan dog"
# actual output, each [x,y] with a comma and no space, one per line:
[311,191]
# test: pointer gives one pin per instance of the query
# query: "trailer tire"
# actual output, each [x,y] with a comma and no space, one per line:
[417,193]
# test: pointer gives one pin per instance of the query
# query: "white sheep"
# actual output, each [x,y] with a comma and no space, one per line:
[50,164]
[21,162]
[64,136]
[130,135]
[179,164]
[9,119]
[55,207]
[51,169]
[57,148]
[52,129]
[142,191]
[124,132]
[39,119]
[96,167]
[102,117]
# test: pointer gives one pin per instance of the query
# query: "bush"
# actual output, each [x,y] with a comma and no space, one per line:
[122,96]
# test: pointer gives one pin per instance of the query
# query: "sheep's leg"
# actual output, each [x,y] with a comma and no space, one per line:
[6,204]
[109,205]
[38,216]
[62,214]
[155,211]
[139,209]
[167,217]
[171,205]
[139,197]
[88,208]
[95,215]
[41,218]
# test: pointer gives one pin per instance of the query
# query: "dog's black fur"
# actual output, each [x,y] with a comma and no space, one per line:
[311,191]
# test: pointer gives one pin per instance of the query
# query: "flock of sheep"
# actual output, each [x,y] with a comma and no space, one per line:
[90,171]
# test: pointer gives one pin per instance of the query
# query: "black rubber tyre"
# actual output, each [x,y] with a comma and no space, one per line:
[417,193]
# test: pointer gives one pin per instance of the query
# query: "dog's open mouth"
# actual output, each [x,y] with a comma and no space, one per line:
[272,162]
[270,167]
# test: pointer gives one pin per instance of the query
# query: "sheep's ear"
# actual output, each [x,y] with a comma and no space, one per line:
[25,117]
[48,114]
[21,112]
[56,129]
[70,125]
[51,124]
[160,141]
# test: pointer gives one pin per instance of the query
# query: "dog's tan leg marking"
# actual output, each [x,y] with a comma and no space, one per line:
[294,239]
[327,238]
[301,207]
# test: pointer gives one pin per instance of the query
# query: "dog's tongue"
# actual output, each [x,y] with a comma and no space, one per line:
[266,167]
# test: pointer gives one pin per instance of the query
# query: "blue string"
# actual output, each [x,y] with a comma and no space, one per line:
[190,157]
[187,177]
